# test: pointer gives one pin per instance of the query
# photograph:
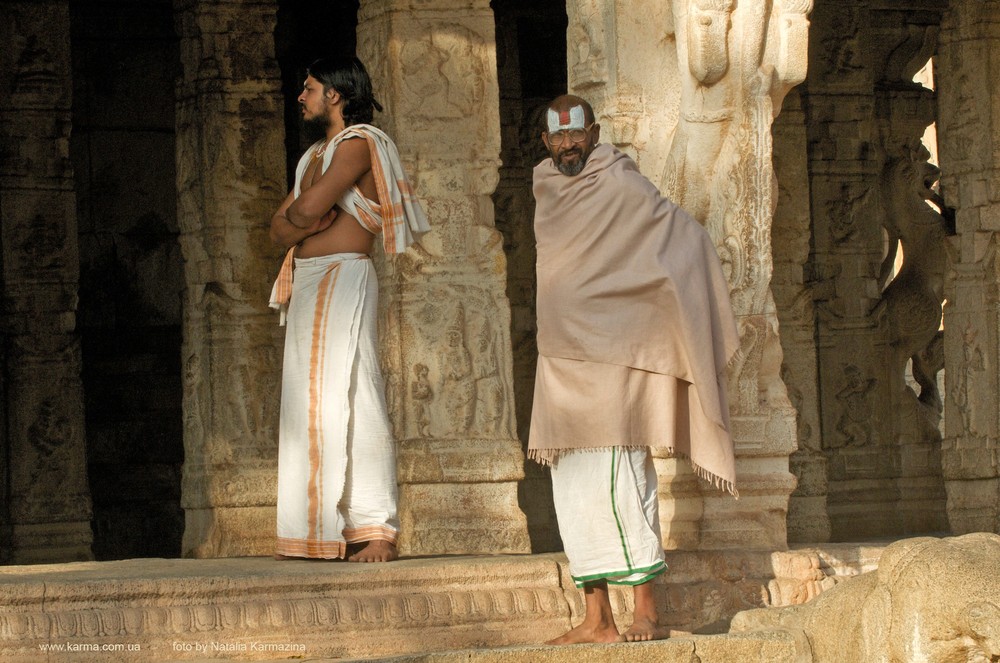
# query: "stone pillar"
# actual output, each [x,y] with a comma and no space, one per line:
[730,70]
[869,187]
[792,233]
[44,444]
[909,307]
[969,144]
[846,251]
[230,178]
[445,316]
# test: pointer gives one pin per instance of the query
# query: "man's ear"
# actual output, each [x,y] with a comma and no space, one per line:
[597,133]
[545,139]
[332,96]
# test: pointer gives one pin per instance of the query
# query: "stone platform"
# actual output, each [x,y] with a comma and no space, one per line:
[259,609]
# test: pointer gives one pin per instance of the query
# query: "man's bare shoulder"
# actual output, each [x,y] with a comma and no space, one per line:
[353,146]
[352,154]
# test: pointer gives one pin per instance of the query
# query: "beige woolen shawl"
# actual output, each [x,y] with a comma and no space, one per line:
[627,277]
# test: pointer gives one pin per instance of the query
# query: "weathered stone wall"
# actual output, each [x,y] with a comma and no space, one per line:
[445,320]
[47,499]
[969,130]
[125,61]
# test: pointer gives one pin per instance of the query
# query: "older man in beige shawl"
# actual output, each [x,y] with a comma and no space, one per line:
[634,334]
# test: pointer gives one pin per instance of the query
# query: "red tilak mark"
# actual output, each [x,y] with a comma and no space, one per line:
[563,118]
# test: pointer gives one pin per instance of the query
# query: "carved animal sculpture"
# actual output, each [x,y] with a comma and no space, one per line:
[930,601]
[912,301]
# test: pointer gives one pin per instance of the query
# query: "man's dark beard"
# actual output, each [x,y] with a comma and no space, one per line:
[315,127]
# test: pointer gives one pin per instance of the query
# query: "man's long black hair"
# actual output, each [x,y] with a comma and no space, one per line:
[348,76]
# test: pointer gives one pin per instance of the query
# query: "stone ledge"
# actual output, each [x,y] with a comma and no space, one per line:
[773,647]
[242,608]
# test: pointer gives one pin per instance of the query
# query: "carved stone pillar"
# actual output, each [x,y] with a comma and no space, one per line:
[230,178]
[732,67]
[792,233]
[969,143]
[43,439]
[869,185]
[909,308]
[445,315]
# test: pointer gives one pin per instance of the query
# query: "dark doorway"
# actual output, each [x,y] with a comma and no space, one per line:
[125,61]
[531,70]
[305,33]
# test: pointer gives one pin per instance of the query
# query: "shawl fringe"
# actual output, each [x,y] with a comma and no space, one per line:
[545,457]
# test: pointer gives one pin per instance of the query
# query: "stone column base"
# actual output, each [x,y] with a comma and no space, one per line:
[229,531]
[461,519]
[46,543]
[974,505]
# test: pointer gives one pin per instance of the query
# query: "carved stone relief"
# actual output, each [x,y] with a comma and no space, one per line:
[459,388]
[912,300]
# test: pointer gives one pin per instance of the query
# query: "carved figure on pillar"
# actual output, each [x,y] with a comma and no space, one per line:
[422,394]
[458,392]
[336,454]
[855,418]
[972,362]
[707,102]
[634,334]
[912,300]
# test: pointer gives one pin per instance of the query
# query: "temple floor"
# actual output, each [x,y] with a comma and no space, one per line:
[433,609]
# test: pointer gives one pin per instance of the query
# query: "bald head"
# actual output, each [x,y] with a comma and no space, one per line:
[565,104]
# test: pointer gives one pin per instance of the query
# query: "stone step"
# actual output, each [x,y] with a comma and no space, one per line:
[474,606]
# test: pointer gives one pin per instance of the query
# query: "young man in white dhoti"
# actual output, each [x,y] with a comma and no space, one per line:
[336,455]
[634,334]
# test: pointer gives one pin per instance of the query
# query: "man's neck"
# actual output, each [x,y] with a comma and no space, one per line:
[335,127]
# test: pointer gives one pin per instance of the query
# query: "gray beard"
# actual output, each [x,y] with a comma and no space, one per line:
[571,169]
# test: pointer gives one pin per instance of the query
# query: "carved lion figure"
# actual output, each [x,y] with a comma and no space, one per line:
[931,600]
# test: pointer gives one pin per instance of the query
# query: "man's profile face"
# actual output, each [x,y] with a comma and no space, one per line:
[313,101]
[569,139]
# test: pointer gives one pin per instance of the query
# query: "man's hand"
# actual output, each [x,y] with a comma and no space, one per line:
[324,222]
[284,233]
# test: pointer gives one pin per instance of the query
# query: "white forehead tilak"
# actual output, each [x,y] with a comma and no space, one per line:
[565,120]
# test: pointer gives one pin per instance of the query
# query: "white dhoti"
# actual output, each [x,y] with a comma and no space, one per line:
[606,506]
[336,458]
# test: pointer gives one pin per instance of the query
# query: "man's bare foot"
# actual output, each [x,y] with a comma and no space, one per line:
[375,551]
[588,633]
[644,629]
